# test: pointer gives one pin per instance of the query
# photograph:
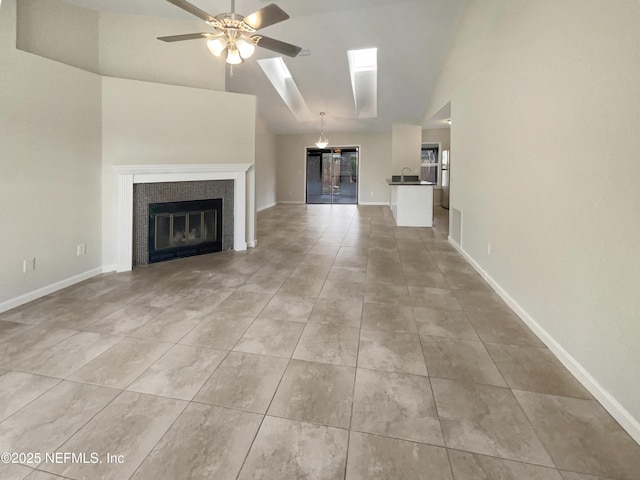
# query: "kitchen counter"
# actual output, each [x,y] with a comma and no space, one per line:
[409,182]
[411,202]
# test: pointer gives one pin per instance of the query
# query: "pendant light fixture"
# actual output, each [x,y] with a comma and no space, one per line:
[322,141]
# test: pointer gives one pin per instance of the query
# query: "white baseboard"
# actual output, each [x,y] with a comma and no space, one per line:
[252,244]
[608,401]
[289,202]
[384,204]
[266,207]
[109,268]
[54,287]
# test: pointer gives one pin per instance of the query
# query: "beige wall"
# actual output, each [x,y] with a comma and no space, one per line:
[49,167]
[60,31]
[405,148]
[129,48]
[545,145]
[375,164]
[118,45]
[438,135]
[266,166]
[151,123]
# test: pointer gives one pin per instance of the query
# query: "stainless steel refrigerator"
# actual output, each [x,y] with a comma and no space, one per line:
[446,169]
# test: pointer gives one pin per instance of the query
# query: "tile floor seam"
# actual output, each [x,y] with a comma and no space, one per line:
[187,403]
[353,391]
[176,398]
[503,375]
[264,415]
[453,475]
[36,398]
[125,387]
[533,429]
[453,449]
[82,366]
[435,405]
[404,439]
[209,377]
[84,424]
[53,345]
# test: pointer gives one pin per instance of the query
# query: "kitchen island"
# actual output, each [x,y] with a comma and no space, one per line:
[411,202]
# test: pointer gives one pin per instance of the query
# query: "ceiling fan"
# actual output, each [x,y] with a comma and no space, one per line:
[236,34]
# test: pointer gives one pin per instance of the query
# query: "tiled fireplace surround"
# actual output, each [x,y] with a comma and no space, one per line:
[145,194]
[128,175]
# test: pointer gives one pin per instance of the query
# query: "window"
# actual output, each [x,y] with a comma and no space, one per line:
[430,163]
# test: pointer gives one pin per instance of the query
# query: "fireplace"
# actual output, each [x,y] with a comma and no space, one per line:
[184,229]
[181,212]
[179,182]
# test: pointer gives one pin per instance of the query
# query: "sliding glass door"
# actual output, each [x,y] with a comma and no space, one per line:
[332,175]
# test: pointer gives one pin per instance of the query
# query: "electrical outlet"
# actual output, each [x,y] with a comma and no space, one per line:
[81,249]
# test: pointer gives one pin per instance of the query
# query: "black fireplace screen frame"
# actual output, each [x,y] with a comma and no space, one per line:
[187,250]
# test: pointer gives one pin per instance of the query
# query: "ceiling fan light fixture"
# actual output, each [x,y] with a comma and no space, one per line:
[233,56]
[323,141]
[235,32]
[217,45]
[246,48]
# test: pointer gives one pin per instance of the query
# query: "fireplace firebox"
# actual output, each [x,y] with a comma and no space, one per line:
[184,229]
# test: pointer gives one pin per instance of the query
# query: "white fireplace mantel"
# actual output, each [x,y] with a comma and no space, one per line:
[128,175]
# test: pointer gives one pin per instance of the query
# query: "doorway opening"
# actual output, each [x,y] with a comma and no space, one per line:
[332,175]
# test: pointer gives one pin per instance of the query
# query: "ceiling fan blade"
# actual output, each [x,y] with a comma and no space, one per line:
[187,36]
[192,9]
[266,16]
[276,45]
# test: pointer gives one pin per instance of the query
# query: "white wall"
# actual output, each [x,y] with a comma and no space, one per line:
[545,101]
[129,48]
[406,148]
[150,123]
[49,167]
[60,31]
[265,166]
[375,164]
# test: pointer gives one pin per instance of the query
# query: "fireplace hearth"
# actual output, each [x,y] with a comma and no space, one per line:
[184,229]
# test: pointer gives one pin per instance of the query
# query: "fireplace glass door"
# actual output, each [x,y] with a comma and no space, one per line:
[180,229]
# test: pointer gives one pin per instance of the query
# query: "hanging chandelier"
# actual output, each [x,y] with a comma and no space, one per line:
[322,141]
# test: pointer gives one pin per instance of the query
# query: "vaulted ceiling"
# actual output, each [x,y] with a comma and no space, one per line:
[413,38]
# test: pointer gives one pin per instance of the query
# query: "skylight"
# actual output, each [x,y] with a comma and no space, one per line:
[278,74]
[363,65]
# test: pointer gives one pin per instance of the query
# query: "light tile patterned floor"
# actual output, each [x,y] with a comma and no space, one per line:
[341,347]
